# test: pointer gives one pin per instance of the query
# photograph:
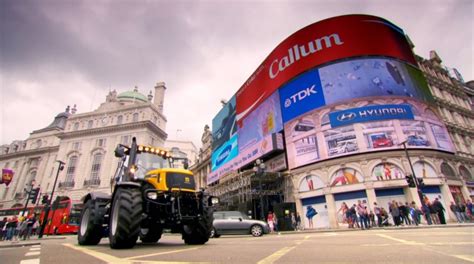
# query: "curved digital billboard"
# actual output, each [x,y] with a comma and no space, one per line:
[319,43]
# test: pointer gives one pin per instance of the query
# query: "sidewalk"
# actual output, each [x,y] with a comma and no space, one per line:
[35,241]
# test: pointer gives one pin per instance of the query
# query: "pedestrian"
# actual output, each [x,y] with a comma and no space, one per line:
[363,215]
[456,211]
[298,222]
[433,213]
[29,227]
[395,211]
[353,212]
[414,213]
[439,209]
[384,215]
[469,209]
[310,213]
[293,221]
[275,222]
[462,209]
[372,219]
[3,228]
[22,228]
[426,212]
[270,221]
[378,214]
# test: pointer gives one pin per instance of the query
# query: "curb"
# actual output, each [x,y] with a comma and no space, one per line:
[32,242]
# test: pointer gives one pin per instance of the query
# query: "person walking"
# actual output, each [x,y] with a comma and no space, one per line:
[456,211]
[3,228]
[414,213]
[439,209]
[469,209]
[433,213]
[378,214]
[275,222]
[293,221]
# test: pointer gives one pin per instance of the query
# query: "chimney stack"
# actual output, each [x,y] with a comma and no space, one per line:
[159,95]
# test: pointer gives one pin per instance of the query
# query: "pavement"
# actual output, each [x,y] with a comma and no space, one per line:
[37,241]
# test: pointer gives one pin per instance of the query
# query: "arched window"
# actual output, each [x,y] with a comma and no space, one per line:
[424,170]
[95,170]
[119,119]
[448,171]
[465,173]
[135,117]
[76,126]
[310,182]
[90,123]
[71,168]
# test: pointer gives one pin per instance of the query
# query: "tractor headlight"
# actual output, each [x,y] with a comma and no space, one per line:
[152,195]
[213,200]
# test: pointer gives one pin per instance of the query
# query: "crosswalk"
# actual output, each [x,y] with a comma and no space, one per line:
[34,251]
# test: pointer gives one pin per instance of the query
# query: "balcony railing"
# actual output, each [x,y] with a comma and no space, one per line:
[92,182]
[67,184]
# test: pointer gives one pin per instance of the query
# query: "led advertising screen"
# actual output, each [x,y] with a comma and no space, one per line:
[223,125]
[264,120]
[348,80]
[319,43]
[373,125]
[225,153]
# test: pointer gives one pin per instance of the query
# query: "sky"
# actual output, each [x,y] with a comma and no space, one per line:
[57,53]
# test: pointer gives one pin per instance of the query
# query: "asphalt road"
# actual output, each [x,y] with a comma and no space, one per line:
[434,245]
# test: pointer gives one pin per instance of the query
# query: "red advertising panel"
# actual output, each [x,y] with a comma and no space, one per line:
[325,41]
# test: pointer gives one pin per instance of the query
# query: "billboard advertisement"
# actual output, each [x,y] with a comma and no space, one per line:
[264,120]
[317,44]
[223,124]
[326,133]
[352,79]
[225,153]
[268,144]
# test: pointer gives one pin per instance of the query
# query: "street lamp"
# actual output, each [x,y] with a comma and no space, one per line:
[414,178]
[28,194]
[48,205]
[259,169]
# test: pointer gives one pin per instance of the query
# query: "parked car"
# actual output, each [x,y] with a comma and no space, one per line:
[414,140]
[235,222]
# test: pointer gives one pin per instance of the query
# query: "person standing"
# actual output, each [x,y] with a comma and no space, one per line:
[378,214]
[469,209]
[456,211]
[426,212]
[293,221]
[275,222]
[298,222]
[362,211]
[3,228]
[270,221]
[414,213]
[310,213]
[433,213]
[439,209]
[395,213]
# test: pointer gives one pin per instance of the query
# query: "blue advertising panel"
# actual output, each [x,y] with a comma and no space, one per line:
[224,125]
[264,120]
[301,95]
[370,113]
[225,153]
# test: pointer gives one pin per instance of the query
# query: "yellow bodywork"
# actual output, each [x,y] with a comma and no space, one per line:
[157,178]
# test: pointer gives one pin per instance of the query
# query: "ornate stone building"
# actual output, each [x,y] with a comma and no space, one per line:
[380,177]
[85,142]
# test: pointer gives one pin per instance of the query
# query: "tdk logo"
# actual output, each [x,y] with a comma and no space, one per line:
[346,116]
[300,96]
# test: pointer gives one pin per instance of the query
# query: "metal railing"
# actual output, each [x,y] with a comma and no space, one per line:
[92,182]
[67,184]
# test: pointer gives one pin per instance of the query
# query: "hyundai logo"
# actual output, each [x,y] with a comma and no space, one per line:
[346,116]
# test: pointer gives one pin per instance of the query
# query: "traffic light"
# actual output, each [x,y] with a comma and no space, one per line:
[33,195]
[410,181]
[420,182]
[44,199]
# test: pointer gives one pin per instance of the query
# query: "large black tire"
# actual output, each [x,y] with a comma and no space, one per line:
[199,232]
[125,218]
[89,233]
[150,234]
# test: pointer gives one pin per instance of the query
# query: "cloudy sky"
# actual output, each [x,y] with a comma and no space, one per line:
[54,53]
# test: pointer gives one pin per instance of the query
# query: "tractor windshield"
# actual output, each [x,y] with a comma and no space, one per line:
[146,162]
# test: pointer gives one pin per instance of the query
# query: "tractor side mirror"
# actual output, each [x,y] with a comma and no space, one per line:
[119,151]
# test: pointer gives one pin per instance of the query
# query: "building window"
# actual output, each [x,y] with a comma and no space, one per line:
[90,123]
[95,170]
[101,142]
[76,126]
[125,139]
[135,117]
[34,162]
[76,145]
[119,120]
[71,169]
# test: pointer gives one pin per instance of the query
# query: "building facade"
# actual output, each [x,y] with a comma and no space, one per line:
[85,142]
[354,128]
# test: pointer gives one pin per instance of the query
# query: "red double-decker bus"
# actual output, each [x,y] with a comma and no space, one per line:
[64,215]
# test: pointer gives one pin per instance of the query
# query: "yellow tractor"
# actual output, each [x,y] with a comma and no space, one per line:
[148,195]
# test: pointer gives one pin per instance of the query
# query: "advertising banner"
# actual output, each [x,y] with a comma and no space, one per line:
[225,153]
[319,135]
[264,120]
[370,113]
[223,124]
[268,144]
[319,43]
[7,176]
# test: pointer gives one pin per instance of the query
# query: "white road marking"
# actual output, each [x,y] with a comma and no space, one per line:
[35,249]
[30,261]
[32,254]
